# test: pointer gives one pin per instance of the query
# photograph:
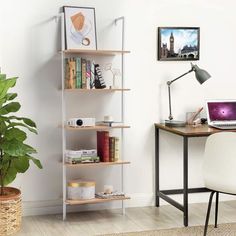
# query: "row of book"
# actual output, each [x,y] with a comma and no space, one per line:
[107,147]
[79,73]
[107,151]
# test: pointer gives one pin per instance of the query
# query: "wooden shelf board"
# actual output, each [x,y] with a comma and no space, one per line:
[95,200]
[97,127]
[95,52]
[96,90]
[97,164]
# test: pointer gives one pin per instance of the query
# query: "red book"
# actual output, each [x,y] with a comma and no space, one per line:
[103,145]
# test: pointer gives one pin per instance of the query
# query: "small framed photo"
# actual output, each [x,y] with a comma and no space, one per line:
[178,43]
[80,28]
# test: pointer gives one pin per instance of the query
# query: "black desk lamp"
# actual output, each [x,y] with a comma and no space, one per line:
[201,76]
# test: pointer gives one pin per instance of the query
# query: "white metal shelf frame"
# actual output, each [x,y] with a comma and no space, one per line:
[63,107]
[122,19]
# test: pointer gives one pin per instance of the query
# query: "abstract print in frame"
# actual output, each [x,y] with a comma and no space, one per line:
[80,28]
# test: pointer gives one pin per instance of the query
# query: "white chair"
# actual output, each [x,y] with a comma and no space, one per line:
[219,168]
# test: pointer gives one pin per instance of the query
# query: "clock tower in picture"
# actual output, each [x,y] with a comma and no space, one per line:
[172,52]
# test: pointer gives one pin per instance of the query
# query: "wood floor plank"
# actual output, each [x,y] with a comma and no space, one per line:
[113,221]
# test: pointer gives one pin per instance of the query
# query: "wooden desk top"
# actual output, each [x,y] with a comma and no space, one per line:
[191,131]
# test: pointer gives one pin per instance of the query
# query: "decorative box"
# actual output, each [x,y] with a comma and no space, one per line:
[81,189]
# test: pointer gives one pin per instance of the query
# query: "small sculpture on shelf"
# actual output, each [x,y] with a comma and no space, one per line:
[99,82]
[115,73]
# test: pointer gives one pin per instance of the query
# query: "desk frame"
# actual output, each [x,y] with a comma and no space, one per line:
[185,132]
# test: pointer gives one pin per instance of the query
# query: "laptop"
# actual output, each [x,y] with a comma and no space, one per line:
[221,114]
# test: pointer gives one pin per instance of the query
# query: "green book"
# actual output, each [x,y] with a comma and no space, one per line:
[83,74]
[78,73]
[83,160]
[66,69]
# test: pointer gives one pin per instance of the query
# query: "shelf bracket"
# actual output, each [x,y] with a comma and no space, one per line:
[57,18]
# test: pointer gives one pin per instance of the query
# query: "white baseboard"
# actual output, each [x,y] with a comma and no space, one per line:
[137,200]
[42,207]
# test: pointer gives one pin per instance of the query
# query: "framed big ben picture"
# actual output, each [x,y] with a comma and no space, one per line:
[178,43]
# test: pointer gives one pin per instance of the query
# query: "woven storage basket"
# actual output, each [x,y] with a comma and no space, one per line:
[10,211]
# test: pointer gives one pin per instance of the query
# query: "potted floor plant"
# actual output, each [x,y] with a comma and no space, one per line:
[15,155]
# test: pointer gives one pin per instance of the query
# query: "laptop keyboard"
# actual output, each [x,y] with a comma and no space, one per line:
[226,125]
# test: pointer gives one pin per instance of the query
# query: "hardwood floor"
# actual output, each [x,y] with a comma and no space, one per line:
[112,221]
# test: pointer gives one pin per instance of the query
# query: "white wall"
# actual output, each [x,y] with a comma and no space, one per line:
[30,39]
[149,77]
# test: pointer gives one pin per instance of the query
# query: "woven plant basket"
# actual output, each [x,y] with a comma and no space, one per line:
[10,211]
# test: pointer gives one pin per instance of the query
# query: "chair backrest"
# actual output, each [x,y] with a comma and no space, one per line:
[219,165]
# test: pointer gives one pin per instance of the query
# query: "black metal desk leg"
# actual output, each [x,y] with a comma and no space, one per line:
[185,169]
[157,167]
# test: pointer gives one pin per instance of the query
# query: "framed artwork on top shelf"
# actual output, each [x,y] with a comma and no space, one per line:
[80,28]
[178,43]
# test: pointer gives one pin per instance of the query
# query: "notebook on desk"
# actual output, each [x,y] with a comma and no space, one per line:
[221,114]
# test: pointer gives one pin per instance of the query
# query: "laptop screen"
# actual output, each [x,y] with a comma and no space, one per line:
[221,111]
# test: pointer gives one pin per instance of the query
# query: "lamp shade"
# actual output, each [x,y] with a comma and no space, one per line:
[201,75]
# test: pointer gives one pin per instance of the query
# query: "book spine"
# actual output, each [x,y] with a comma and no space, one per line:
[74,72]
[83,69]
[111,149]
[82,159]
[92,75]
[66,73]
[78,73]
[72,76]
[117,149]
[103,145]
[88,74]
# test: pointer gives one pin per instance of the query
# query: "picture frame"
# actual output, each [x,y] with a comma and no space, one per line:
[178,43]
[80,28]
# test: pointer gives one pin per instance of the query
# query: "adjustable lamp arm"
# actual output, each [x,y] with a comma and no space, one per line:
[201,76]
[169,93]
[171,81]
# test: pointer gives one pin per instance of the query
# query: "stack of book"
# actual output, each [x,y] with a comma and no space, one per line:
[109,195]
[109,124]
[79,73]
[82,156]
[107,147]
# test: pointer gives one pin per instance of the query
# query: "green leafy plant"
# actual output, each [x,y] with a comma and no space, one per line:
[15,154]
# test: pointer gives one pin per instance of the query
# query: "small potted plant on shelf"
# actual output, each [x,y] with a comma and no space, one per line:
[15,155]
